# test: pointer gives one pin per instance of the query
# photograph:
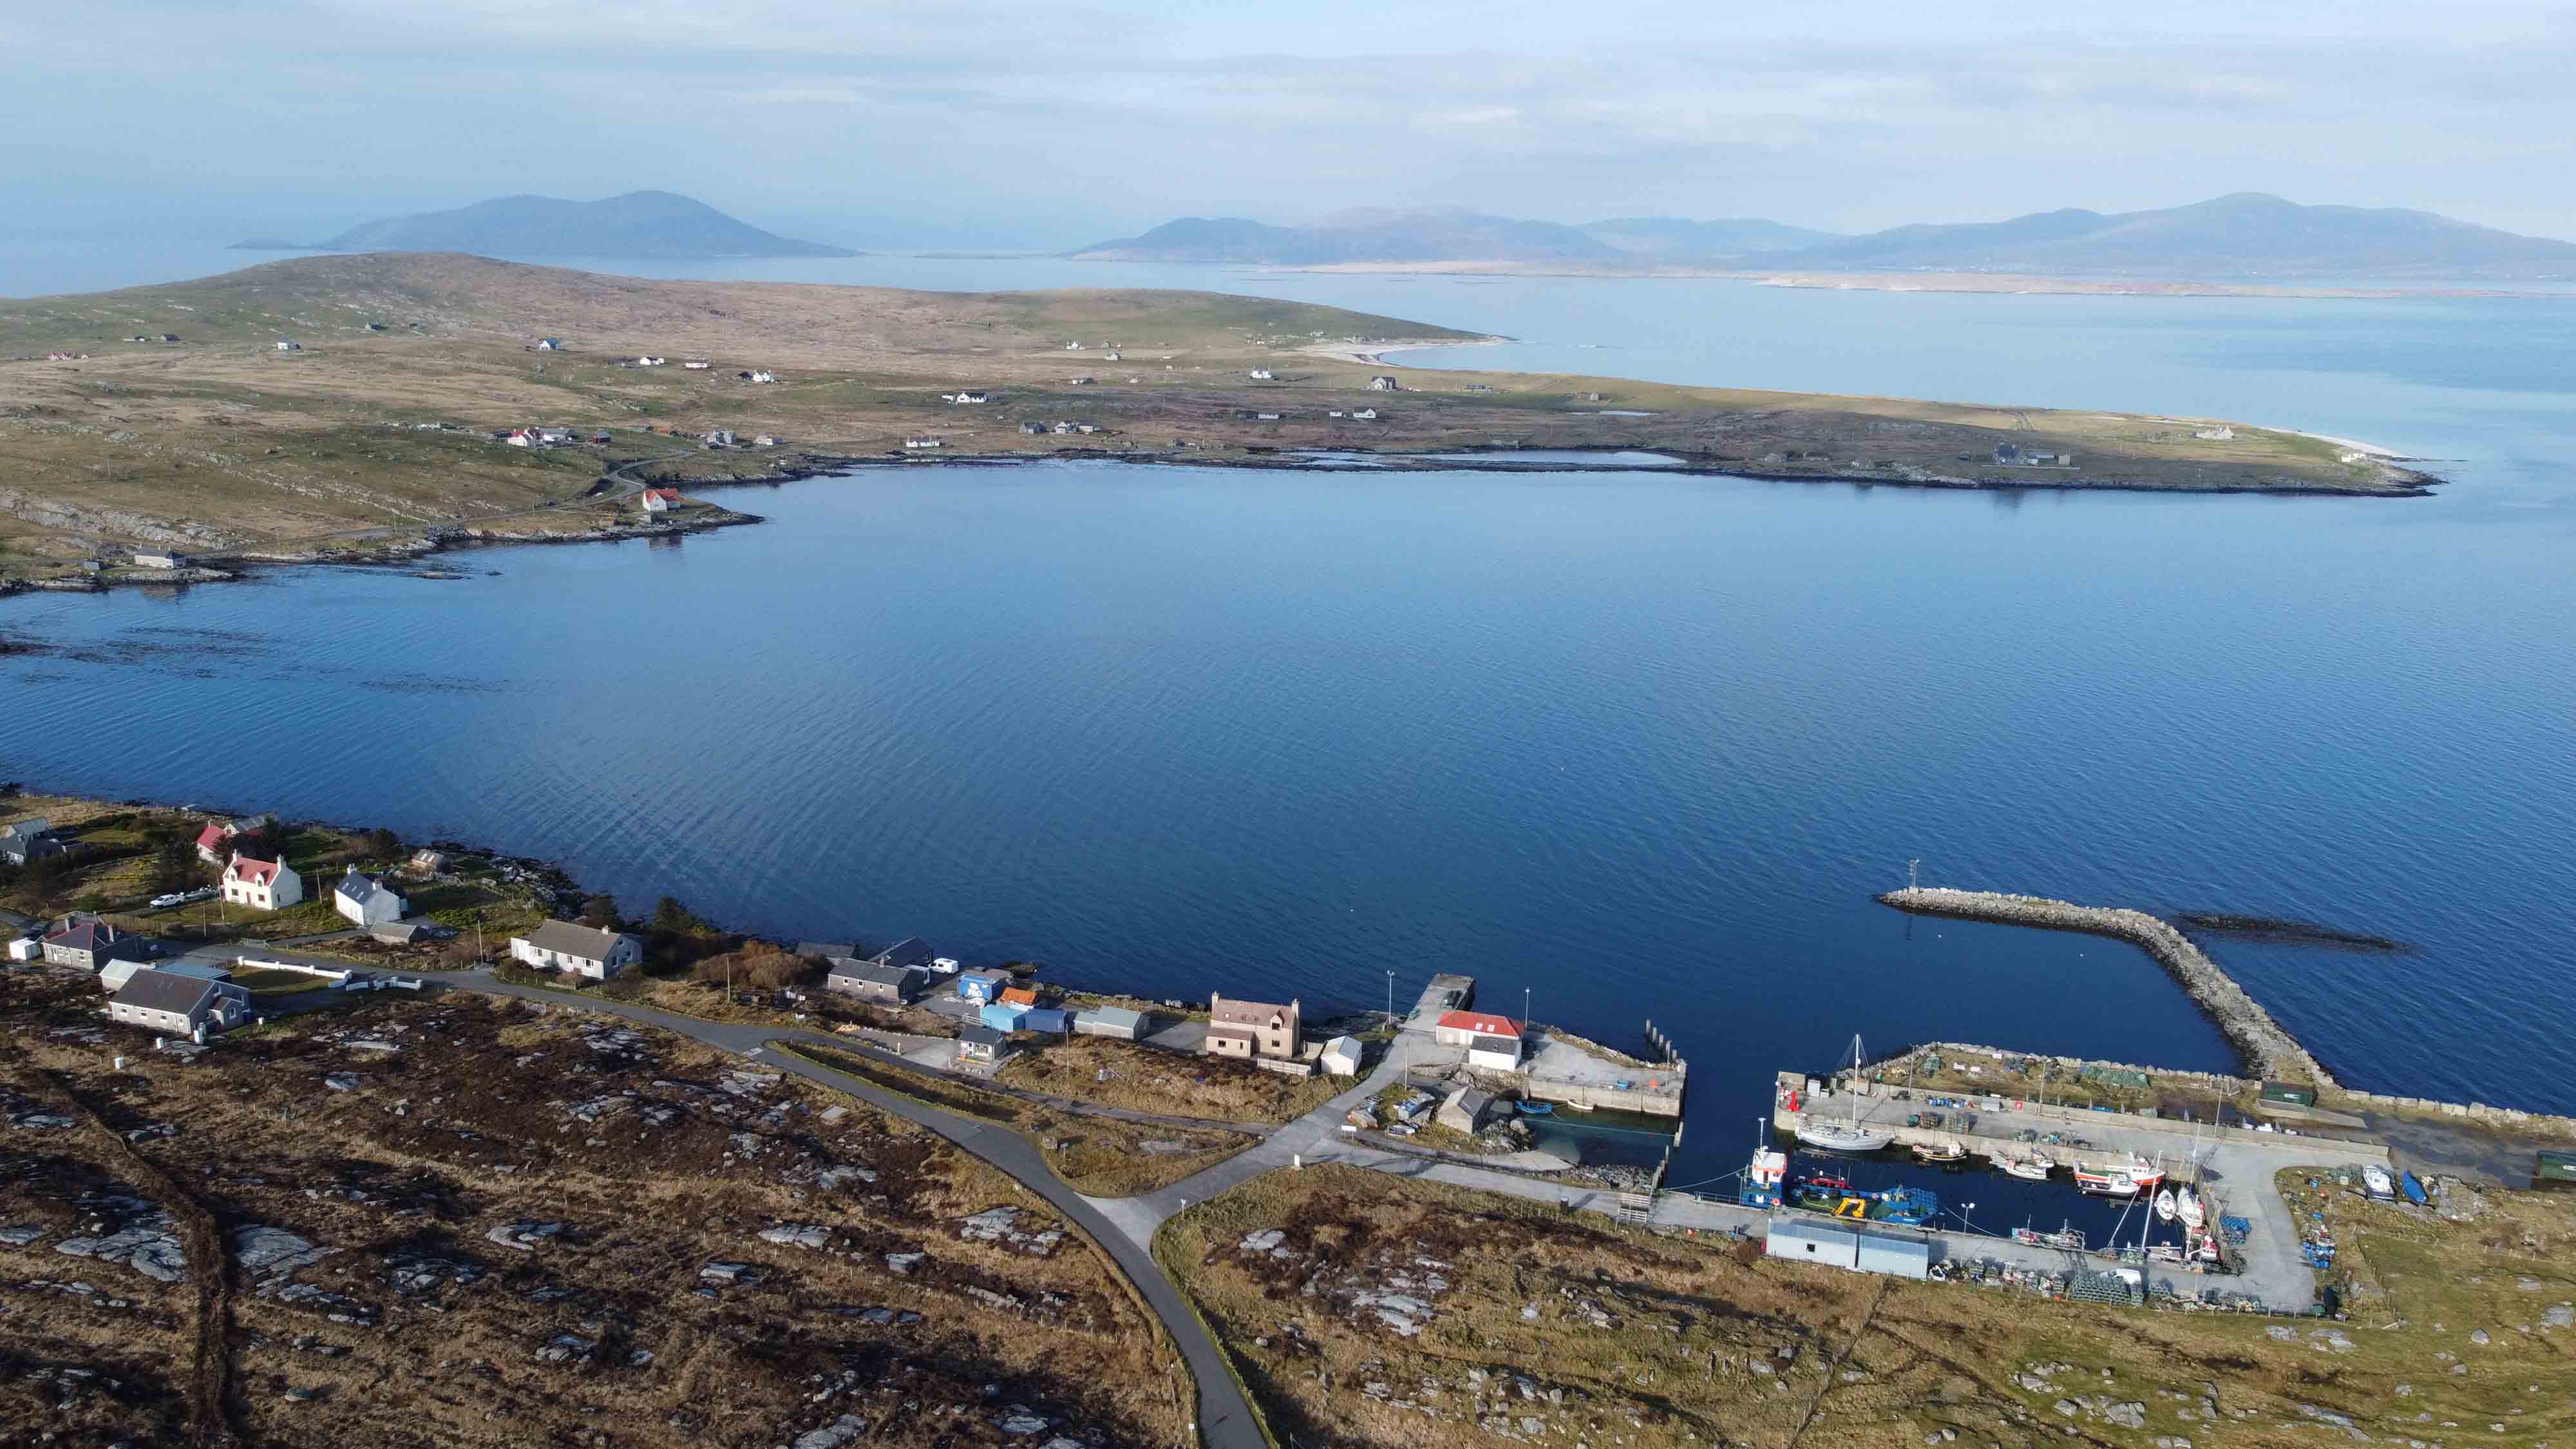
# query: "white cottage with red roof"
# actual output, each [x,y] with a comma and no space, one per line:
[1492,1042]
[661,500]
[262,885]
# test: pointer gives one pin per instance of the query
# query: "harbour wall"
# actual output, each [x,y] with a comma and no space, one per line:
[2268,1049]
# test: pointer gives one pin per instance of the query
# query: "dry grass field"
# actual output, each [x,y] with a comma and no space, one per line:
[1144,1079]
[1396,1313]
[460,1222]
[219,443]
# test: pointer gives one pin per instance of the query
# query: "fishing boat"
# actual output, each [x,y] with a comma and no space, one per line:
[2376,1179]
[1847,1135]
[1538,1109]
[2125,1178]
[2189,1208]
[1952,1150]
[1835,1196]
[2069,1237]
[2413,1188]
[1763,1178]
[2034,1168]
[2165,1205]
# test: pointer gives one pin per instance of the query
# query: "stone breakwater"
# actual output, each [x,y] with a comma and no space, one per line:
[2268,1049]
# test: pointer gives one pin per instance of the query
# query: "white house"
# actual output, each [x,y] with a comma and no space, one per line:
[582,950]
[661,500]
[1263,374]
[519,438]
[181,1005]
[697,364]
[1382,383]
[289,344]
[649,360]
[160,560]
[1492,1042]
[964,398]
[1366,415]
[918,443]
[549,344]
[367,901]
[262,885]
[762,374]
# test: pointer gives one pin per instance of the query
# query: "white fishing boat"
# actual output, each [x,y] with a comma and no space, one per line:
[1847,1135]
[2376,1178]
[2034,1168]
[2165,1205]
[2187,1206]
[1950,1150]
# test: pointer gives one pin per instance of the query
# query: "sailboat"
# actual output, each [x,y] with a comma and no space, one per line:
[2165,1205]
[1847,1135]
[2187,1207]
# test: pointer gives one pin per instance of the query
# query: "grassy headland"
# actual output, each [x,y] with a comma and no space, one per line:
[219,443]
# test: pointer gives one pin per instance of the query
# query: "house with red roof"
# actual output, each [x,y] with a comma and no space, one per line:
[661,500]
[262,885]
[1492,1041]
[214,842]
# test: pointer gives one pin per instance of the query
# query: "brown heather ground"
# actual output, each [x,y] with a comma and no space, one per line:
[1145,1079]
[219,443]
[464,1129]
[1639,1341]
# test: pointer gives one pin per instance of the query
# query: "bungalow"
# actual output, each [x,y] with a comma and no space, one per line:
[1342,1057]
[1265,417]
[1046,1019]
[262,885]
[1114,356]
[920,443]
[979,1045]
[661,500]
[1019,996]
[1263,374]
[1253,1029]
[553,437]
[868,981]
[519,438]
[549,344]
[581,950]
[1466,1110]
[762,374]
[289,344]
[962,399]
[1067,428]
[181,1005]
[1365,415]
[1001,1015]
[427,862]
[1038,428]
[367,901]
[1382,383]
[981,986]
[214,842]
[649,360]
[160,560]
[697,364]
[1116,1022]
[24,840]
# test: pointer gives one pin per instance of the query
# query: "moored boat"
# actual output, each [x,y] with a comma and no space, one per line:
[1538,1109]
[1847,1135]
[1836,1197]
[2165,1205]
[2069,1237]
[2034,1168]
[2376,1179]
[2408,1183]
[2189,1208]
[1952,1150]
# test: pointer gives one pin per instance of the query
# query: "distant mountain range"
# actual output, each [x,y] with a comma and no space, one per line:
[2246,234]
[638,224]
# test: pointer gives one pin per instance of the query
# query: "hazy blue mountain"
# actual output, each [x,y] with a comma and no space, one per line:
[1671,237]
[2248,233]
[637,224]
[1437,234]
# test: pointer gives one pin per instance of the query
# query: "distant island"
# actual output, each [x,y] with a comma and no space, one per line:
[2248,234]
[649,224]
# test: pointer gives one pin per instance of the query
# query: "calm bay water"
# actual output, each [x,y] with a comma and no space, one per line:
[1641,744]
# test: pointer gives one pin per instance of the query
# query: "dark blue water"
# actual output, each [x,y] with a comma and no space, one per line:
[1643,744]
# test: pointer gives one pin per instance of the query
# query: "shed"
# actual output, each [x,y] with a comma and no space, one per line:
[1019,995]
[1001,1016]
[1495,1053]
[1466,1109]
[1897,1257]
[980,985]
[1047,1019]
[1110,1021]
[1813,1243]
[1341,1057]
[2290,1094]
[398,933]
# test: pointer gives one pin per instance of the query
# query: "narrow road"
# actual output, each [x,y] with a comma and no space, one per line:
[1226,1418]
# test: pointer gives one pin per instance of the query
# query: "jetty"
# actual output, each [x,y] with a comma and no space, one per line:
[2267,1047]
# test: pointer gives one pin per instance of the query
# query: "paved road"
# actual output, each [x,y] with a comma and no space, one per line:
[1226,1419]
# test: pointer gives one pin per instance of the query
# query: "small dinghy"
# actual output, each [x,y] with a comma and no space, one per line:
[2165,1205]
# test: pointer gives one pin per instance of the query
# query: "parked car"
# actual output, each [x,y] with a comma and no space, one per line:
[165,902]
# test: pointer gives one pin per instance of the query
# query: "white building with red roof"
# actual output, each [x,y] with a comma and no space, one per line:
[262,885]
[661,500]
[1492,1041]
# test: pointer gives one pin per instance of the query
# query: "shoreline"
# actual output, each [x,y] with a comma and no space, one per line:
[459,536]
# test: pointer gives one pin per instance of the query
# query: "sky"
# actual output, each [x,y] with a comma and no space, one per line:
[1027,125]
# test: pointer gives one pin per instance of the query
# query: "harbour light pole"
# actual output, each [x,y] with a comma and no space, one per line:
[1390,997]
